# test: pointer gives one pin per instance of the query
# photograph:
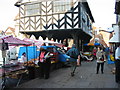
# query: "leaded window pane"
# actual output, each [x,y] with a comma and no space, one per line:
[61,5]
[32,9]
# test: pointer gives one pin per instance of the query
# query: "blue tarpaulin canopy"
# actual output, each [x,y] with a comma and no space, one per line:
[31,52]
[92,44]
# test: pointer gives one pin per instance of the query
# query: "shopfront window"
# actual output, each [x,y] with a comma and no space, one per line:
[61,5]
[32,9]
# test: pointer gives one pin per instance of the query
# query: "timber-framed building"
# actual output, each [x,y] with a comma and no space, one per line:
[57,19]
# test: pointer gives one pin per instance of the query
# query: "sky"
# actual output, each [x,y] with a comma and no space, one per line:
[102,11]
[7,13]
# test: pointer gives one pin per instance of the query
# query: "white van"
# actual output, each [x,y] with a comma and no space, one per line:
[9,55]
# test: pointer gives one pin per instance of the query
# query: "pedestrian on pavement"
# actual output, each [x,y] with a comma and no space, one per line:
[94,53]
[44,63]
[74,55]
[117,64]
[100,60]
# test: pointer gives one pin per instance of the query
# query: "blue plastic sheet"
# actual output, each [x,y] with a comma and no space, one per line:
[31,52]
[110,61]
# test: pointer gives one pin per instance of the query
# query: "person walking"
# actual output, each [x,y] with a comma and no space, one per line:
[100,60]
[44,63]
[117,64]
[74,55]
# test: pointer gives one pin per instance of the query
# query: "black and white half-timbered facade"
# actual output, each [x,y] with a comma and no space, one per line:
[57,19]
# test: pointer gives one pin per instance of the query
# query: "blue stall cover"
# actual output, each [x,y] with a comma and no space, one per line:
[94,44]
[110,61]
[31,52]
[48,47]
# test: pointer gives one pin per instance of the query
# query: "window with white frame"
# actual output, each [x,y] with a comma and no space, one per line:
[32,9]
[61,5]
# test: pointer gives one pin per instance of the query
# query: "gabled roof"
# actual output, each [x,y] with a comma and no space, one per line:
[10,30]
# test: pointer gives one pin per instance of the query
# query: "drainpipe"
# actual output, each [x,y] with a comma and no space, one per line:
[75,39]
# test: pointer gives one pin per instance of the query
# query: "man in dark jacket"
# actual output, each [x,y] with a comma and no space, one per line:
[74,55]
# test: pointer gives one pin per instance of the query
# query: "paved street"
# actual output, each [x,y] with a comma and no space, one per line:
[85,77]
[0,77]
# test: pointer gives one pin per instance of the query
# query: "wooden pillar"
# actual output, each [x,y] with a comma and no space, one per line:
[75,39]
[80,45]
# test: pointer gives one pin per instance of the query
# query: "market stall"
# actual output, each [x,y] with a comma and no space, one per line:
[88,53]
[58,55]
[13,68]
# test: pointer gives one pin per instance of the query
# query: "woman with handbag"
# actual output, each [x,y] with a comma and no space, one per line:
[44,63]
[100,60]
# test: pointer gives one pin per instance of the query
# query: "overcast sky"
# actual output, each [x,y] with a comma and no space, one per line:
[8,13]
[102,11]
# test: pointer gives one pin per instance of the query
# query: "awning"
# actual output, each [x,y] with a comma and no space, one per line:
[35,42]
[53,43]
[116,36]
[114,39]
[39,43]
[92,44]
[13,41]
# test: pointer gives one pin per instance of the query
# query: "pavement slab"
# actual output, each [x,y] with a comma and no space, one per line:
[85,77]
